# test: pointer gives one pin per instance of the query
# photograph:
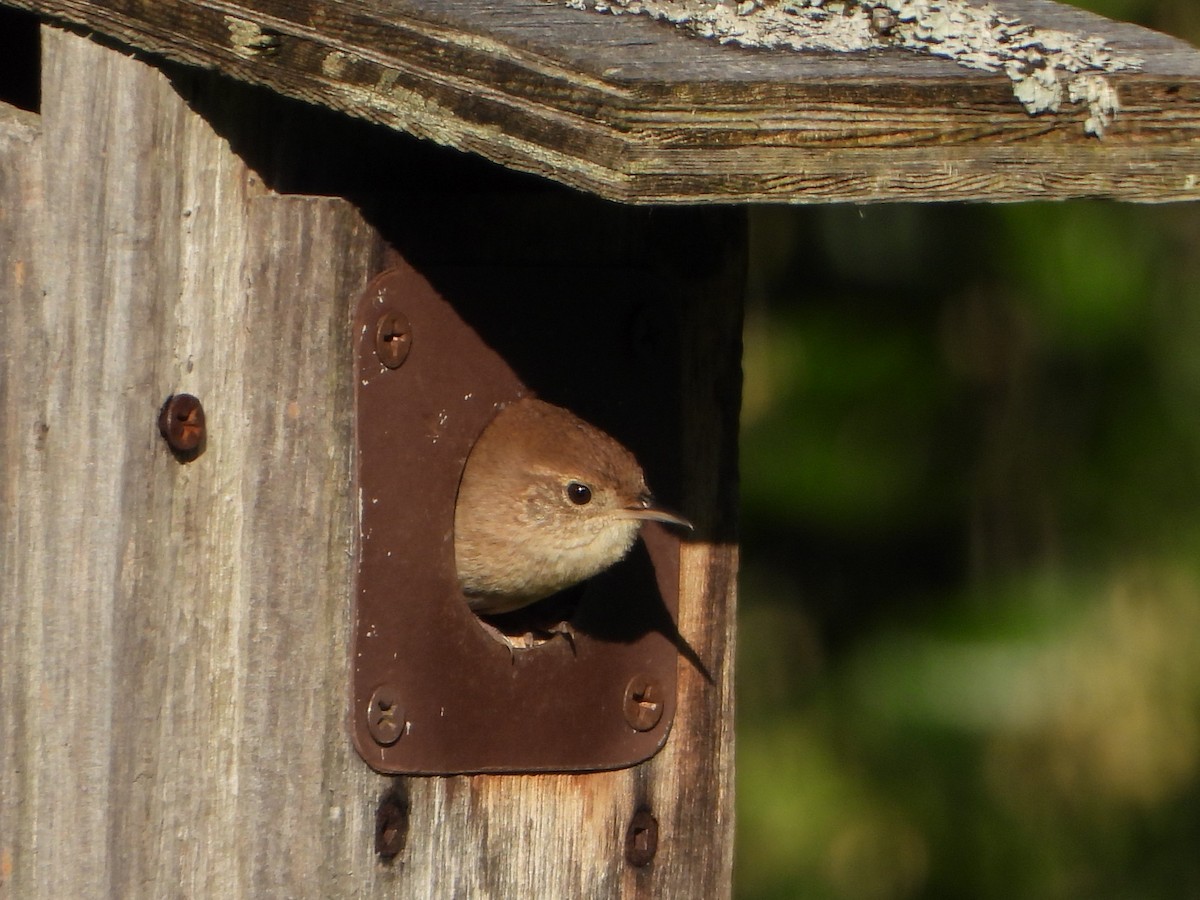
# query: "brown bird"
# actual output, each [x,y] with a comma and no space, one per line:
[546,501]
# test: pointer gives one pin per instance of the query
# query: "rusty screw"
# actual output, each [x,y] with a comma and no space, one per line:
[391,824]
[643,703]
[393,339]
[641,838]
[181,423]
[385,718]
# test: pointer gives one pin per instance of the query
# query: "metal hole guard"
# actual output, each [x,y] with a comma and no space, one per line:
[432,692]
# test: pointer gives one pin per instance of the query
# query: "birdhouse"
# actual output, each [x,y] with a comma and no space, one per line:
[270,269]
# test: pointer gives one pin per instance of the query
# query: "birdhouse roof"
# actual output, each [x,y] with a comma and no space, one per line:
[738,102]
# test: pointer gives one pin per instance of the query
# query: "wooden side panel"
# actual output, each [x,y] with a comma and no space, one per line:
[174,634]
[174,637]
[23,372]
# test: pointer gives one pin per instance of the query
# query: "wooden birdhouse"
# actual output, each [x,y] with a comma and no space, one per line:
[268,271]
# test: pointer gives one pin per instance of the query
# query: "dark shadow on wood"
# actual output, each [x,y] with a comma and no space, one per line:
[20,59]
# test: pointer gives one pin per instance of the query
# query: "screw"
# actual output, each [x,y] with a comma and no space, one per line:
[393,339]
[385,718]
[181,423]
[641,838]
[391,824]
[643,703]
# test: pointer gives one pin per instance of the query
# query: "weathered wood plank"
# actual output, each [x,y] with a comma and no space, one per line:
[636,111]
[22,439]
[174,656]
[165,743]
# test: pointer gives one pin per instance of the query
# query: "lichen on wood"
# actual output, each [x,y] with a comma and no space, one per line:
[1048,67]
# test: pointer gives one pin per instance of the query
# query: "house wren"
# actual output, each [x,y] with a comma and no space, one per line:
[546,500]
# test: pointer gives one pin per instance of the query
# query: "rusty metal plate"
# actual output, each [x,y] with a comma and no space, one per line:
[432,691]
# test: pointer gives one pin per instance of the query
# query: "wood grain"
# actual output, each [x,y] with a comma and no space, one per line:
[171,724]
[174,651]
[634,110]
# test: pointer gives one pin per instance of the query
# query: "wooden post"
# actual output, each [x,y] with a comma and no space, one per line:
[173,637]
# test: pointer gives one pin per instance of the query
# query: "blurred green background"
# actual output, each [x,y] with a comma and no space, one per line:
[970,629]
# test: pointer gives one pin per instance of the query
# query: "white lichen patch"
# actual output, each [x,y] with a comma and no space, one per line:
[1047,67]
[335,63]
[250,39]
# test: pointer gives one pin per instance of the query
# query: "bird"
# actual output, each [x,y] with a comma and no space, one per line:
[546,501]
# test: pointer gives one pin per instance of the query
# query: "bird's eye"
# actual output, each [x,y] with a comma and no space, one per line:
[579,494]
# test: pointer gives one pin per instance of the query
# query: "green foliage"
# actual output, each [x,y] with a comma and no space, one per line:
[860,407]
[970,639]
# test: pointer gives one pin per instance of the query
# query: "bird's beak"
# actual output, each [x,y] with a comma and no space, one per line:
[647,509]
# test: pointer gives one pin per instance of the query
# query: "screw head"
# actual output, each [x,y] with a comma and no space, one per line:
[641,838]
[391,824]
[181,423]
[385,716]
[393,339]
[644,703]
